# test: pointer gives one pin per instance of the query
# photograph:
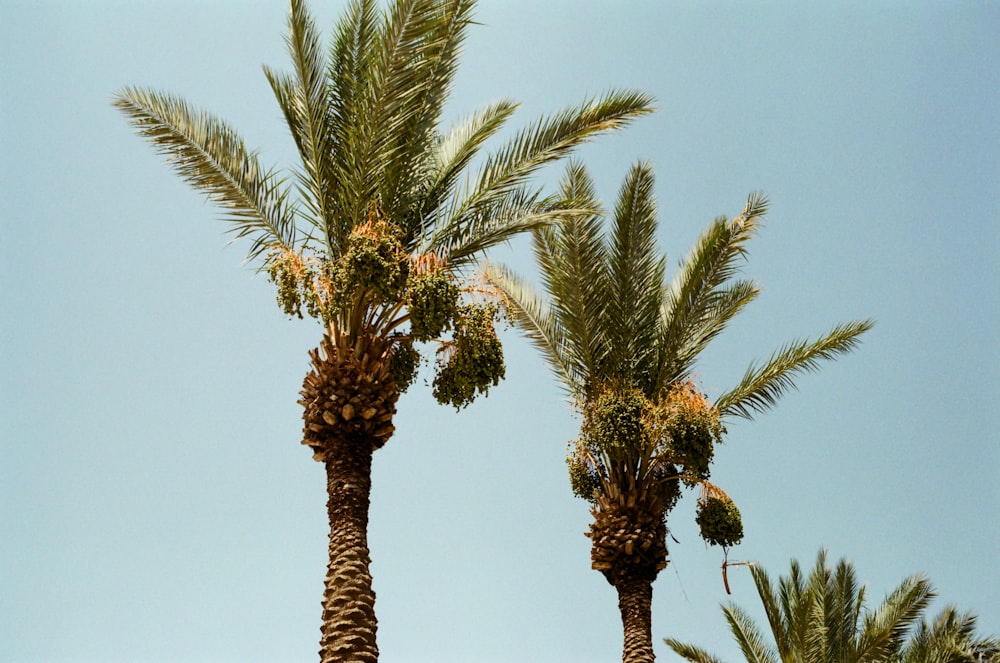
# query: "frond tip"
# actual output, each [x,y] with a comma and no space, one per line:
[763,385]
[211,157]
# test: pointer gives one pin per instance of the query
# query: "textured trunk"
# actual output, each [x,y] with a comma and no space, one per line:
[348,402]
[349,624]
[629,546]
[635,599]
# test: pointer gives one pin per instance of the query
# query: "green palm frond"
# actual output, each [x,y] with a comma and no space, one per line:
[518,212]
[821,618]
[457,149]
[762,385]
[950,638]
[536,319]
[549,139]
[692,295]
[772,609]
[844,601]
[636,274]
[573,264]
[720,307]
[304,101]
[351,63]
[210,155]
[884,630]
[421,67]
[748,636]
[795,604]
[690,652]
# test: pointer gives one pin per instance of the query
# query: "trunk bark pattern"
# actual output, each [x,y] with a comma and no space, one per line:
[635,600]
[629,546]
[348,402]
[349,623]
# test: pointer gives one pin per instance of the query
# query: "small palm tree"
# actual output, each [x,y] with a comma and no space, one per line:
[374,235]
[623,342]
[822,618]
[950,638]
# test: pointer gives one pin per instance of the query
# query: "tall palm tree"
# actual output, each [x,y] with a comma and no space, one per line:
[623,342]
[822,618]
[373,235]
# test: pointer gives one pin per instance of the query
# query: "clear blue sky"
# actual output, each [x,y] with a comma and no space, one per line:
[155,504]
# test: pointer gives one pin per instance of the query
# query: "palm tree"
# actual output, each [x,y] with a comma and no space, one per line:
[374,234]
[623,342]
[822,618]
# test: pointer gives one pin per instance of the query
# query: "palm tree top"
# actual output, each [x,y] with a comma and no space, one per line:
[381,189]
[609,314]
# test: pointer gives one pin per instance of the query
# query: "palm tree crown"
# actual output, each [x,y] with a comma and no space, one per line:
[623,341]
[822,618]
[374,234]
[383,212]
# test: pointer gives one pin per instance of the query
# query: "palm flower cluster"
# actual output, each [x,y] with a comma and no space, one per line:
[628,440]
[376,276]
[473,361]
[718,519]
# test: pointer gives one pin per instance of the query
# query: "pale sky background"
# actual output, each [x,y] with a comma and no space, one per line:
[155,503]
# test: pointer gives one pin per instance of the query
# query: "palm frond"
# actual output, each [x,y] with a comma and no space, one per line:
[456,150]
[772,609]
[518,212]
[548,140]
[748,636]
[762,385]
[690,652]
[572,258]
[437,32]
[636,272]
[676,361]
[884,630]
[351,64]
[843,608]
[210,155]
[536,320]
[304,101]
[690,302]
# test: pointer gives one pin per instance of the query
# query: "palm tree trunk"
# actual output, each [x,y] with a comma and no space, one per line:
[349,624]
[635,599]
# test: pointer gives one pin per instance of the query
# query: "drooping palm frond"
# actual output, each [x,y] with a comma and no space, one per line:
[210,155]
[762,385]
[694,292]
[690,652]
[636,277]
[537,320]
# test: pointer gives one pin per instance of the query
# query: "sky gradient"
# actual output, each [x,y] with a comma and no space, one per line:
[155,504]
